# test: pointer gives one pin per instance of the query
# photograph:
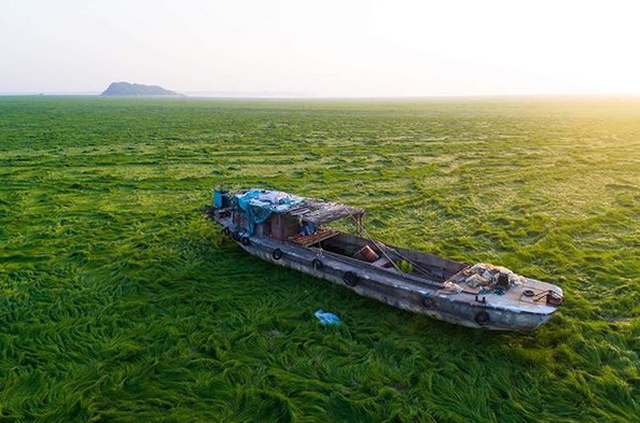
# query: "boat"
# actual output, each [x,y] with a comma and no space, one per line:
[293,231]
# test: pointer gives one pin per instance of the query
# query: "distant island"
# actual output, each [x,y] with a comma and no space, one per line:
[125,89]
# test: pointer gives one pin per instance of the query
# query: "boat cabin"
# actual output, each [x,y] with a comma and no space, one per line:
[283,216]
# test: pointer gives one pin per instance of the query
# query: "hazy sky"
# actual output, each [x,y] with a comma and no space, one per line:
[328,48]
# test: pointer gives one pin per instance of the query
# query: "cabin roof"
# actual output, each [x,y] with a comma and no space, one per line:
[310,210]
[320,211]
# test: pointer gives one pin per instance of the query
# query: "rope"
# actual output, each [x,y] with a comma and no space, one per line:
[382,247]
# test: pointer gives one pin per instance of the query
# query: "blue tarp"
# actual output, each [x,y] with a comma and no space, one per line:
[259,204]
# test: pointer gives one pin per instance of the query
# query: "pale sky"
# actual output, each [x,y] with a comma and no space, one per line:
[328,48]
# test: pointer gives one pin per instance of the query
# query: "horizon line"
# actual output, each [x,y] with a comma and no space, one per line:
[294,96]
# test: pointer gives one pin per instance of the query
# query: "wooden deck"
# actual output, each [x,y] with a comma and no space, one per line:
[314,238]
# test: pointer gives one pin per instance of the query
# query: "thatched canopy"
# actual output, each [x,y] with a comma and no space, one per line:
[320,211]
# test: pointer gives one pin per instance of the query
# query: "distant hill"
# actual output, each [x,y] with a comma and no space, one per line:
[125,89]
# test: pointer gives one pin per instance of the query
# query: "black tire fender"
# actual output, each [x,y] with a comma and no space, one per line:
[245,241]
[317,264]
[277,254]
[482,318]
[428,302]
[350,279]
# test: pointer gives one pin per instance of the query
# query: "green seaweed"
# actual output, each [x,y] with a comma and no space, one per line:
[120,302]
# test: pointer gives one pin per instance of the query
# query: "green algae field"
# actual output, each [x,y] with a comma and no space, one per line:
[120,302]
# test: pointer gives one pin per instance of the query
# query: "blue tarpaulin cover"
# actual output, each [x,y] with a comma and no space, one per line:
[259,204]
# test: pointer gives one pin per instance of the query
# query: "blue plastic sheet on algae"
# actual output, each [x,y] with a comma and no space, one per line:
[327,319]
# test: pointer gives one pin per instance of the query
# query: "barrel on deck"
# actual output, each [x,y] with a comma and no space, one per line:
[368,254]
